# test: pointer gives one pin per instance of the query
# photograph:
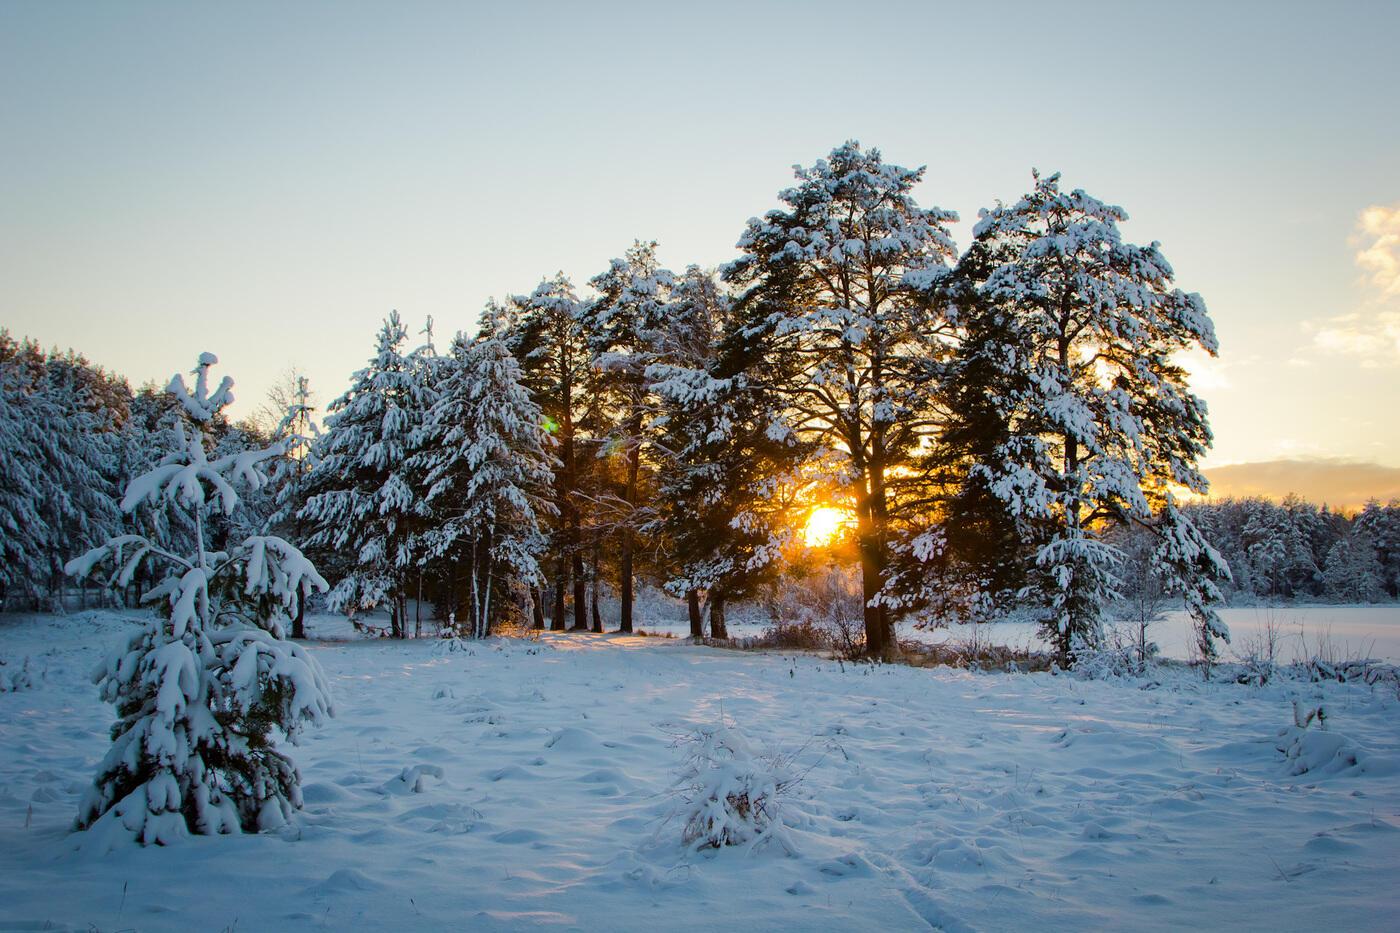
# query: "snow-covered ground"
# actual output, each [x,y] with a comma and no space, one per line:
[526,784]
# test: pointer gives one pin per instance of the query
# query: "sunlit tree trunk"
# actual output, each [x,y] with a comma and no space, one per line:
[717,627]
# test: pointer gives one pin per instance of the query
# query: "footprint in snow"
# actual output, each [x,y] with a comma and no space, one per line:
[846,866]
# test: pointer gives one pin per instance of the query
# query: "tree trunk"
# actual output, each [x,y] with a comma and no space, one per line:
[593,586]
[537,605]
[878,643]
[876,622]
[299,620]
[717,627]
[580,592]
[556,622]
[486,569]
[692,606]
[624,622]
[634,461]
[880,519]
[418,609]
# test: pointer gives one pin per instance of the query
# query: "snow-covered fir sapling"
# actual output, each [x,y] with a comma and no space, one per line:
[202,689]
[728,793]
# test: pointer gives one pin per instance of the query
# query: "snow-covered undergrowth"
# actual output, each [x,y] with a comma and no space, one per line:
[528,784]
[729,793]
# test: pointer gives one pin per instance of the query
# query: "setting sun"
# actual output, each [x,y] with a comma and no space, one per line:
[823,525]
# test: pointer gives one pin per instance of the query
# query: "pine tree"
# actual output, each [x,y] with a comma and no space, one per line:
[836,293]
[56,441]
[626,328]
[484,458]
[298,433]
[364,500]
[1352,572]
[697,313]
[732,467]
[967,561]
[1382,526]
[544,333]
[24,538]
[200,689]
[1099,422]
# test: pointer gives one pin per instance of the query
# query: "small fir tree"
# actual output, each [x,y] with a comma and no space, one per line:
[203,689]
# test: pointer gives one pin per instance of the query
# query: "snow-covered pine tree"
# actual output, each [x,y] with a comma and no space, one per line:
[626,327]
[482,451]
[1352,572]
[697,313]
[1302,566]
[1266,536]
[24,538]
[203,688]
[967,563]
[363,498]
[56,498]
[429,369]
[1099,421]
[545,334]
[146,438]
[837,286]
[1381,524]
[732,467]
[297,432]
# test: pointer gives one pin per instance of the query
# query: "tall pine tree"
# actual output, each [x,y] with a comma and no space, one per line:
[835,292]
[1097,420]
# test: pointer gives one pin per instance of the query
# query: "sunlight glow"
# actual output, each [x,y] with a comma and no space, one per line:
[823,525]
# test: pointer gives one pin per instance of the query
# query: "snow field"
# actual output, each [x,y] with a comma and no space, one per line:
[526,784]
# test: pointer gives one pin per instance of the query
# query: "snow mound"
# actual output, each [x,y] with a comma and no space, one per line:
[411,780]
[1318,752]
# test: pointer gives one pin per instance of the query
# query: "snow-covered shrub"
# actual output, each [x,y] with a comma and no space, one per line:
[15,678]
[1317,751]
[730,794]
[1114,657]
[203,690]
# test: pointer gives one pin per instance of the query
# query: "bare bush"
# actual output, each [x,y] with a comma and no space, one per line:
[1258,652]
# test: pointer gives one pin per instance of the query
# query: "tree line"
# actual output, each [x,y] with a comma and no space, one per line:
[996,423]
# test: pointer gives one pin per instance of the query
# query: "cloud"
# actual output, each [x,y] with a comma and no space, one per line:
[1364,335]
[1379,256]
[1371,334]
[1204,372]
[1342,484]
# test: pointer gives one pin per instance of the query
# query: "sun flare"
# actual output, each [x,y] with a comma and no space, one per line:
[823,525]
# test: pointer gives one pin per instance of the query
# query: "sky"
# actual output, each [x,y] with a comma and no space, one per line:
[267,181]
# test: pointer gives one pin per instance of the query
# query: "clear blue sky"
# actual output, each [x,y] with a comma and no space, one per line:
[268,180]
